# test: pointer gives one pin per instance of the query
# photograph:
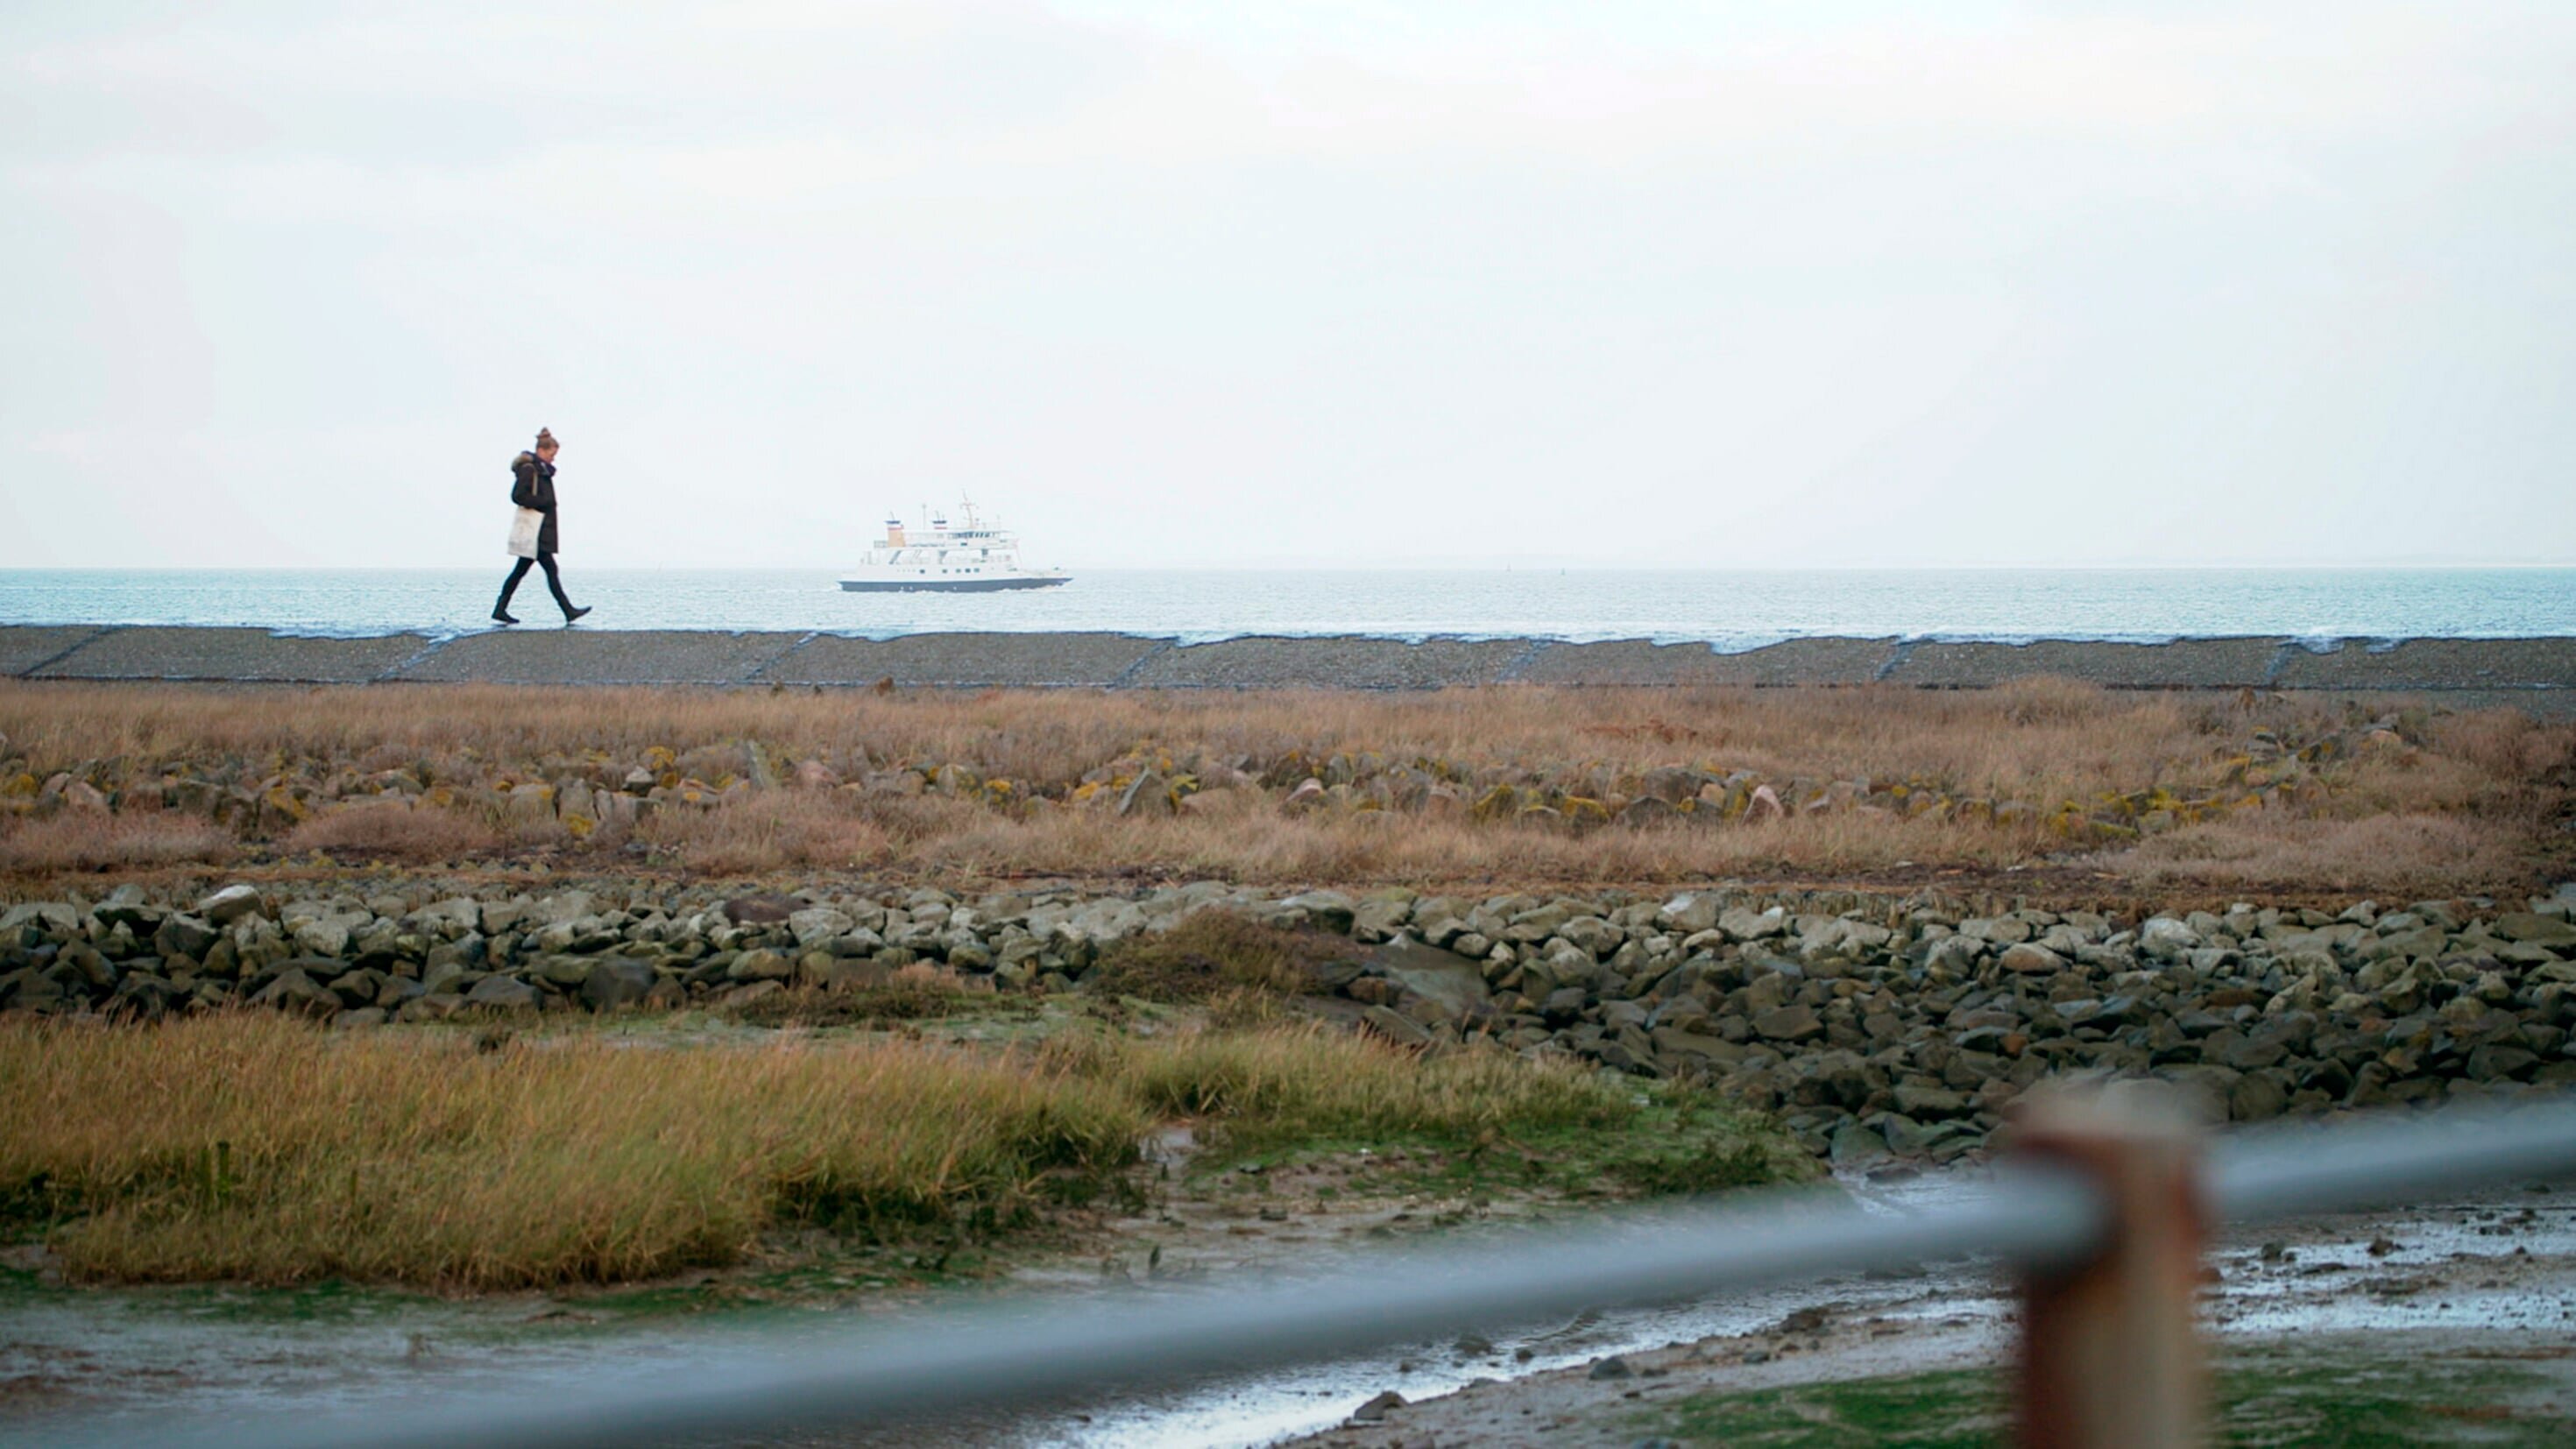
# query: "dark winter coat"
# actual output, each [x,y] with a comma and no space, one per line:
[532,485]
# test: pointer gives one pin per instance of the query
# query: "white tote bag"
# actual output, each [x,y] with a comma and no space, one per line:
[523,532]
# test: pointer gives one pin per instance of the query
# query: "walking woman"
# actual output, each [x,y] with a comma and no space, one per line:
[532,487]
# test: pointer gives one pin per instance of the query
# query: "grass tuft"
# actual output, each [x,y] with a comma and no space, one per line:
[1214,954]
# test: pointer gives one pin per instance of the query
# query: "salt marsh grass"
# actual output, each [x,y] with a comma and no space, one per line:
[254,1148]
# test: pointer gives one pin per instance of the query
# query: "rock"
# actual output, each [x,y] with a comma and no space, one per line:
[230,904]
[126,907]
[1613,1367]
[1378,1408]
[1688,915]
[757,910]
[54,917]
[185,936]
[1855,1146]
[1997,930]
[455,916]
[2496,1062]
[1925,1102]
[560,971]
[761,965]
[2257,1097]
[1952,956]
[1381,917]
[818,925]
[327,935]
[1455,986]
[1792,1023]
[1591,935]
[2030,959]
[1905,1136]
[295,991]
[563,909]
[504,993]
[1149,797]
[749,992]
[1646,810]
[2535,929]
[616,981]
[2167,939]
[1329,910]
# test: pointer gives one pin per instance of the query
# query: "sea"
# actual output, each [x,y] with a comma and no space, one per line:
[1728,610]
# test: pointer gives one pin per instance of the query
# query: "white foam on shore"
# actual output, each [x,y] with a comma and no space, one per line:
[1726,644]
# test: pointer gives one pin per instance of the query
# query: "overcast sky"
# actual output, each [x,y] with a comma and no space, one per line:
[1170,282]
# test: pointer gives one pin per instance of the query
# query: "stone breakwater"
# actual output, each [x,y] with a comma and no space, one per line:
[1872,1027]
[2536,673]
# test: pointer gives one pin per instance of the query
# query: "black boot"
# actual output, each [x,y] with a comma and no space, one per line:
[571,614]
[509,586]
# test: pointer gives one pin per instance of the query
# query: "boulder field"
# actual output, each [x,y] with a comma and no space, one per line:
[1871,1027]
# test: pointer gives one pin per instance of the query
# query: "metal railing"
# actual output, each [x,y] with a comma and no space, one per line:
[2081,1195]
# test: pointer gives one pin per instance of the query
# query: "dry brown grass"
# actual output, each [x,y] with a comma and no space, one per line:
[86,841]
[395,831]
[252,1147]
[2045,743]
[771,831]
[2405,855]
[2032,740]
[1383,846]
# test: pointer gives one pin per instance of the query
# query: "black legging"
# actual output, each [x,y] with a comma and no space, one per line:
[554,583]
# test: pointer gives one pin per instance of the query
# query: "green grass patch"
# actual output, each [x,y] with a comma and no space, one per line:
[897,1002]
[1460,1122]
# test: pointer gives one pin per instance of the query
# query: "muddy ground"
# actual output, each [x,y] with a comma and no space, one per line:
[2461,1314]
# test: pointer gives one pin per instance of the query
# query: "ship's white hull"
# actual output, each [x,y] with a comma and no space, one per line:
[892,581]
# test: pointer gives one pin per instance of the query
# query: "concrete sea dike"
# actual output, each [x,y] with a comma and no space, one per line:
[2537,673]
[1872,1027]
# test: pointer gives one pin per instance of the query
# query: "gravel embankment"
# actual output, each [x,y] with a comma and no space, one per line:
[2539,674]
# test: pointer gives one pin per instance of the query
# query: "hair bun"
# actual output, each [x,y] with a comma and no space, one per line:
[544,436]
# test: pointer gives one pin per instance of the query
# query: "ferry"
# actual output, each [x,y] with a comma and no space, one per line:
[972,558]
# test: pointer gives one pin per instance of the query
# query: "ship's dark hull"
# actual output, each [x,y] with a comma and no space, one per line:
[944,586]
